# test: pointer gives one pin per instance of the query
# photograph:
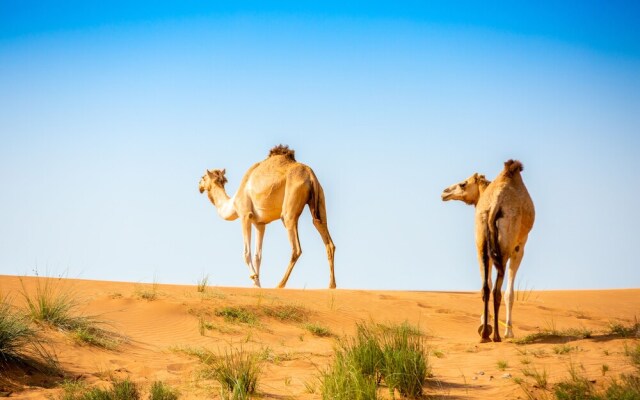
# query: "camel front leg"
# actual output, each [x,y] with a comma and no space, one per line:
[296,250]
[246,235]
[257,256]
[514,264]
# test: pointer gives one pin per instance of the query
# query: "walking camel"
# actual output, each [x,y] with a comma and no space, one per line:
[504,217]
[276,188]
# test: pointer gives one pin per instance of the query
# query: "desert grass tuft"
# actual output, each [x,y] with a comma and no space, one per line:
[237,372]
[394,354]
[162,391]
[287,313]
[20,343]
[202,283]
[318,330]
[56,305]
[241,315]
[627,331]
[120,390]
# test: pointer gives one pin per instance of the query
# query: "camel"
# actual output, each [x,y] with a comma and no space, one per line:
[504,216]
[276,188]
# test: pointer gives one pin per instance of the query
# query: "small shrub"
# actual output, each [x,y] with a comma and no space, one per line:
[119,390]
[563,349]
[502,365]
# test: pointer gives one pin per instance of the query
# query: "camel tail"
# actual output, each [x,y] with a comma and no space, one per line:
[491,231]
[316,201]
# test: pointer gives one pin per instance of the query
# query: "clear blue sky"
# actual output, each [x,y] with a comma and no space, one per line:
[111,111]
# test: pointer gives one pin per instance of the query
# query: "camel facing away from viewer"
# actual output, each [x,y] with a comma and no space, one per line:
[504,217]
[275,188]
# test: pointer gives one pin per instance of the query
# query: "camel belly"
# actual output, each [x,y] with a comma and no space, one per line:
[266,200]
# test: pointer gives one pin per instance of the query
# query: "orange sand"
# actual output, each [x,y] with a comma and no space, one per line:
[462,367]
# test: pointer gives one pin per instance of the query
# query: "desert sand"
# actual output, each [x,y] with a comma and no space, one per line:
[462,368]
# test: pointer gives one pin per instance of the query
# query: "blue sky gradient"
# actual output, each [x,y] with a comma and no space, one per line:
[110,113]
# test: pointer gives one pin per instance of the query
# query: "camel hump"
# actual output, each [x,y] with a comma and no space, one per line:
[513,166]
[283,150]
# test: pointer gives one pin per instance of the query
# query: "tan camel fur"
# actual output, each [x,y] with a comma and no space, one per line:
[504,217]
[275,188]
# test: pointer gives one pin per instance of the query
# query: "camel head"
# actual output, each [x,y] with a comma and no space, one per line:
[468,190]
[214,177]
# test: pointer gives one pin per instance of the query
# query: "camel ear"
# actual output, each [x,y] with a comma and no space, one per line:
[224,171]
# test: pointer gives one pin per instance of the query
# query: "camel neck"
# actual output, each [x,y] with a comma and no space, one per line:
[223,203]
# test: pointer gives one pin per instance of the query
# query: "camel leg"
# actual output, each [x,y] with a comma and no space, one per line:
[323,229]
[246,234]
[257,256]
[485,331]
[292,228]
[497,298]
[514,264]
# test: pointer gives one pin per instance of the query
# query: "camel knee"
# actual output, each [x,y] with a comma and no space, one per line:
[247,257]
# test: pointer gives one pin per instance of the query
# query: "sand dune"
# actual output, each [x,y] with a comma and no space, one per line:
[462,367]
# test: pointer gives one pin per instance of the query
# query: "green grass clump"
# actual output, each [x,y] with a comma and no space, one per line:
[120,390]
[405,366]
[317,329]
[19,342]
[395,355]
[618,329]
[55,305]
[287,313]
[237,315]
[162,391]
[344,380]
[237,372]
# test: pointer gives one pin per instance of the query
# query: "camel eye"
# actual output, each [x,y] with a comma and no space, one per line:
[463,184]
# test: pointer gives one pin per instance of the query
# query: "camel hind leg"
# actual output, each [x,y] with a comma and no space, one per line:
[293,204]
[319,215]
[514,264]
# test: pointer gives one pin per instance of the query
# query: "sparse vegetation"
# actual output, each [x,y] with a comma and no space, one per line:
[202,283]
[241,315]
[120,390]
[554,334]
[618,329]
[149,293]
[56,305]
[540,378]
[287,313]
[19,343]
[317,330]
[564,349]
[162,391]
[502,365]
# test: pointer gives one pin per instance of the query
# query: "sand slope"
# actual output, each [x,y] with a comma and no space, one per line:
[462,367]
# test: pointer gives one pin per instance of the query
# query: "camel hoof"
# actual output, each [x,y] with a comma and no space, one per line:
[489,330]
[497,339]
[485,340]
